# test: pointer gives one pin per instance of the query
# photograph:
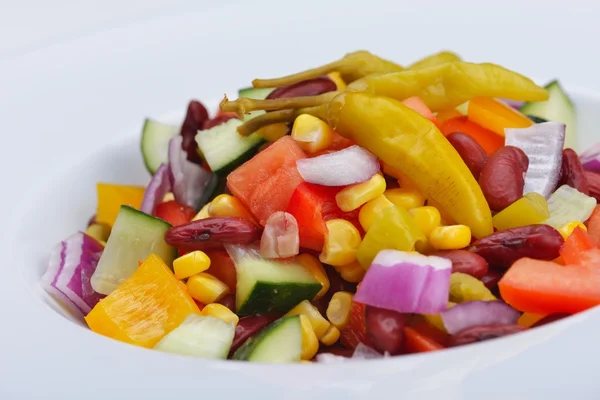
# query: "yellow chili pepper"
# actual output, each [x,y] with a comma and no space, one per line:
[528,210]
[435,59]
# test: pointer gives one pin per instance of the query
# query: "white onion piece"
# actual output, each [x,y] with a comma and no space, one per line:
[543,144]
[345,167]
[281,237]
[364,352]
[159,186]
[567,204]
[476,313]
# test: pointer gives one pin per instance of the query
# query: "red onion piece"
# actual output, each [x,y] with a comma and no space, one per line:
[159,185]
[476,313]
[513,103]
[406,282]
[590,159]
[543,144]
[345,167]
[281,237]
[190,181]
[71,266]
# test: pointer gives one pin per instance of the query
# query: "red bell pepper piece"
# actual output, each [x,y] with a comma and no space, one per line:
[356,330]
[417,342]
[488,140]
[577,242]
[222,267]
[175,213]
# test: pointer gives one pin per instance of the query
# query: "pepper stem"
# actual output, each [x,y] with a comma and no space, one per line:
[299,76]
[244,105]
[275,117]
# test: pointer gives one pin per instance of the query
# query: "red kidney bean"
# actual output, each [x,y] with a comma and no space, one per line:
[193,122]
[501,249]
[210,233]
[309,87]
[481,333]
[593,180]
[503,177]
[470,151]
[465,261]
[572,172]
[385,329]
[218,120]
[491,278]
[550,318]
[248,326]
[228,301]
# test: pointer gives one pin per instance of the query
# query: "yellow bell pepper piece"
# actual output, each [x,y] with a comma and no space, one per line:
[341,243]
[144,308]
[371,210]
[426,218]
[528,210]
[566,230]
[310,343]
[314,266]
[453,237]
[354,196]
[394,229]
[435,59]
[206,288]
[495,115]
[409,143]
[220,311]
[406,198]
[111,197]
[312,134]
[191,264]
[464,287]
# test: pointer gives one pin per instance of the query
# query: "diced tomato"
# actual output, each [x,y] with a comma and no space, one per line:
[418,342]
[175,213]
[420,325]
[222,268]
[593,225]
[577,242]
[543,287]
[417,104]
[488,140]
[356,330]
[312,205]
[265,183]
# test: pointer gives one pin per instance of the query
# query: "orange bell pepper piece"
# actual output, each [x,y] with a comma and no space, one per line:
[111,197]
[445,115]
[488,140]
[577,242]
[495,115]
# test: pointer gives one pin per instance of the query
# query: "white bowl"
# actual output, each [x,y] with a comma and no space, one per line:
[71,115]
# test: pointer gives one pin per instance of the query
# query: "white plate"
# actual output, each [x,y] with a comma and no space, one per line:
[71,115]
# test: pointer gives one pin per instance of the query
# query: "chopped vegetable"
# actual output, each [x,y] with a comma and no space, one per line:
[280,342]
[464,287]
[530,209]
[159,186]
[575,245]
[112,197]
[567,204]
[495,115]
[280,239]
[475,313]
[489,141]
[590,159]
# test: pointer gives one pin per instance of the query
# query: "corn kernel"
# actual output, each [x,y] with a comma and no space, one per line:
[353,272]
[341,243]
[273,132]
[99,231]
[310,343]
[168,197]
[451,237]
[426,218]
[332,336]
[220,311]
[336,77]
[203,213]
[319,324]
[338,310]
[406,198]
[225,205]
[371,210]
[206,288]
[314,266]
[354,196]
[311,133]
[568,228]
[191,264]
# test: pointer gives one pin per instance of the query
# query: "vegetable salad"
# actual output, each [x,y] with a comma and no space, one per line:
[361,209]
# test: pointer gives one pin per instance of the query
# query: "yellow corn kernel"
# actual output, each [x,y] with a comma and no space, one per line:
[168,197]
[338,310]
[353,272]
[341,243]
[529,319]
[191,264]
[319,324]
[406,198]
[206,288]
[314,266]
[354,196]
[451,237]
[332,336]
[225,205]
[98,231]
[311,133]
[569,227]
[220,311]
[203,213]
[273,132]
[426,218]
[336,77]
[310,343]
[371,210]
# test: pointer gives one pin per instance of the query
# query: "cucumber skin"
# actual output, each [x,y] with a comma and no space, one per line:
[262,301]
[244,353]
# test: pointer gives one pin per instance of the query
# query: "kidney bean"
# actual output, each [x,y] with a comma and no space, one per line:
[465,261]
[385,329]
[491,278]
[481,333]
[593,180]
[309,87]
[193,122]
[248,326]
[210,233]
[501,249]
[228,301]
[550,318]
[503,177]
[470,151]
[218,120]
[572,172]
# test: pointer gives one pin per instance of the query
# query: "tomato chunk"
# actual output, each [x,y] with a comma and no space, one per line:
[175,213]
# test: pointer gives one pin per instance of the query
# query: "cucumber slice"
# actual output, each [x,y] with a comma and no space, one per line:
[155,143]
[134,236]
[279,342]
[254,93]
[558,108]
[267,286]
[199,336]
[536,120]
[224,149]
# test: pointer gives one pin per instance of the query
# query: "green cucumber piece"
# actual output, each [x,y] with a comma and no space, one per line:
[224,149]
[536,120]
[134,236]
[279,342]
[267,286]
[558,108]
[155,143]
[255,93]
